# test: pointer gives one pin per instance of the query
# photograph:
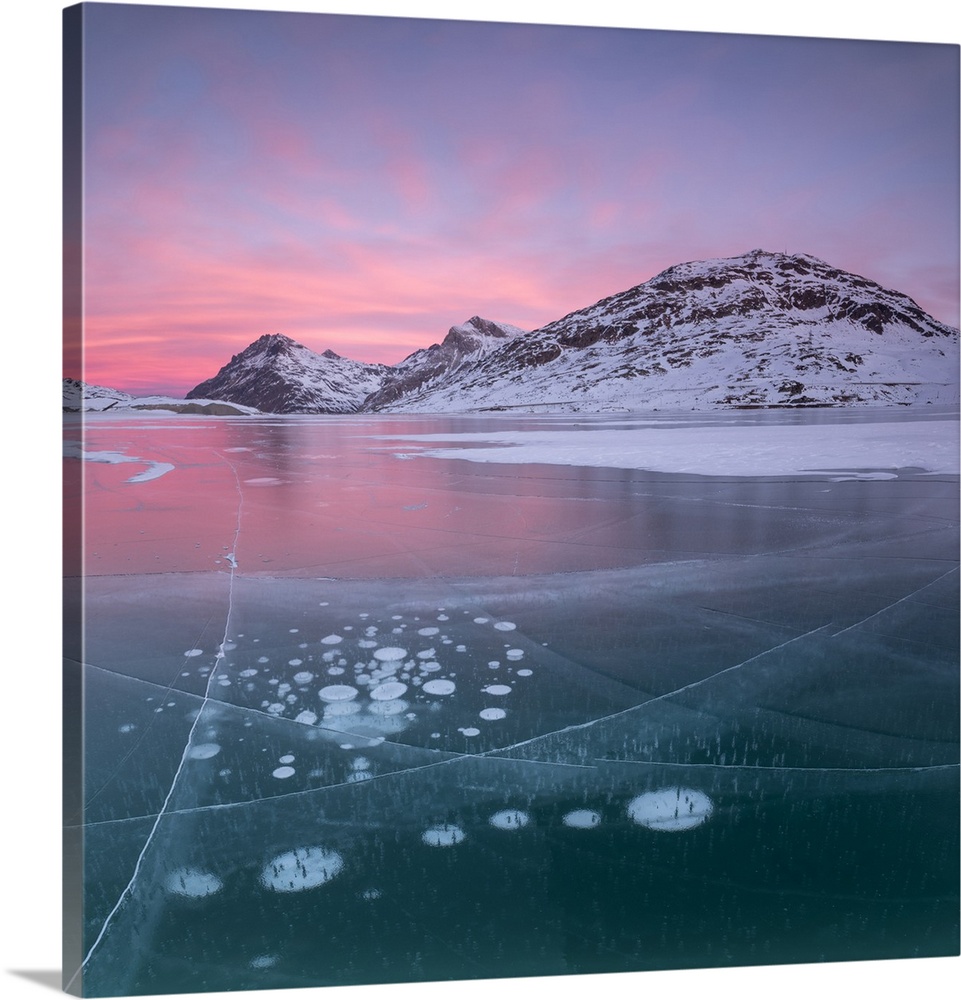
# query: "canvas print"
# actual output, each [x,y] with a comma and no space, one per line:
[511,480]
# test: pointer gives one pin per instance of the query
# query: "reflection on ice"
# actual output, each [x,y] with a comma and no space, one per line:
[773,663]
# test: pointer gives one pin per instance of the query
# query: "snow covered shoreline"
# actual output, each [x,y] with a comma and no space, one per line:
[842,450]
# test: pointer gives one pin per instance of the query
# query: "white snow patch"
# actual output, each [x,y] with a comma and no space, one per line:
[726,447]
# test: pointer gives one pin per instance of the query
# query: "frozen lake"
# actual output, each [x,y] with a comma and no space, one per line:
[385,699]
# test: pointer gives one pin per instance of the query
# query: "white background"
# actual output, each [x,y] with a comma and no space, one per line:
[29,630]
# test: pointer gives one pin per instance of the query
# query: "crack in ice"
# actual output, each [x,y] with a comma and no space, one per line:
[184,756]
[894,604]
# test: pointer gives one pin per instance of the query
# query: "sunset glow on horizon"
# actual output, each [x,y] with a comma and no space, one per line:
[362,184]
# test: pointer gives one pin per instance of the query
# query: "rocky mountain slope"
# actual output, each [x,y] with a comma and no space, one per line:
[275,374]
[428,369]
[79,395]
[762,329]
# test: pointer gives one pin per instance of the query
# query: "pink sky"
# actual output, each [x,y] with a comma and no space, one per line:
[362,184]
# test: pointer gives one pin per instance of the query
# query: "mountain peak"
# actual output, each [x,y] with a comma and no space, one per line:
[276,374]
[273,343]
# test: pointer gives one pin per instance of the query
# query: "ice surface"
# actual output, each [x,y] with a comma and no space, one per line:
[697,719]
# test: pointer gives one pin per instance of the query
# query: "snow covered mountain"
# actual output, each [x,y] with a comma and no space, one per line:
[277,375]
[430,367]
[79,395]
[762,329]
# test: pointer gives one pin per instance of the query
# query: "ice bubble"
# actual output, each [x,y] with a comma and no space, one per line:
[338,709]
[263,961]
[127,727]
[509,819]
[193,652]
[431,630]
[360,763]
[505,626]
[389,707]
[306,718]
[581,819]
[284,772]
[389,653]
[469,731]
[481,621]
[370,894]
[303,868]
[337,692]
[203,751]
[263,659]
[490,714]
[460,648]
[442,836]
[388,691]
[524,673]
[670,809]
[332,640]
[443,618]
[294,663]
[367,643]
[439,687]
[288,758]
[497,689]
[335,671]
[356,776]
[293,630]
[515,654]
[193,883]
[249,672]
[430,668]
[303,677]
